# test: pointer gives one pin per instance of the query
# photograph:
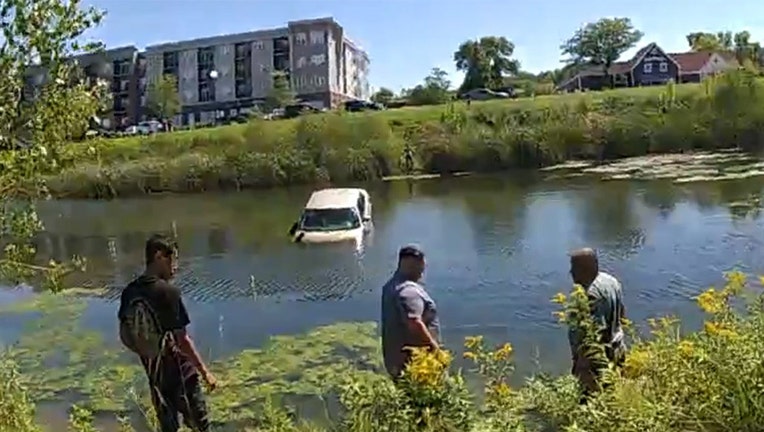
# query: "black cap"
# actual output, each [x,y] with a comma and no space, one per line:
[410,250]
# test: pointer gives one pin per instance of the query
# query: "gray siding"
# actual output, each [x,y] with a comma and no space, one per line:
[310,60]
[652,74]
[188,84]
[262,65]
[226,81]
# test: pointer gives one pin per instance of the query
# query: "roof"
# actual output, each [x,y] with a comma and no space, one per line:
[688,62]
[334,198]
[692,61]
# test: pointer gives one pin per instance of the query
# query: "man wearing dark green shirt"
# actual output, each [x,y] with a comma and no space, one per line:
[607,310]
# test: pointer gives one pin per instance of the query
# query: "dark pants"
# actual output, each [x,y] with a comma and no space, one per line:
[175,389]
[589,371]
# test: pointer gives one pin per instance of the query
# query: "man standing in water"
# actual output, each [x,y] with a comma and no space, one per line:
[153,322]
[409,315]
[607,310]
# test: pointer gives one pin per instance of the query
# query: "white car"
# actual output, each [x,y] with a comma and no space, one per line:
[333,215]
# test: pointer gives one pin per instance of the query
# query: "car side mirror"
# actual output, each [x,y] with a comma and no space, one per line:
[293,229]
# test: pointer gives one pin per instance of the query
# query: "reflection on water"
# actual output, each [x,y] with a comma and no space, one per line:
[496,253]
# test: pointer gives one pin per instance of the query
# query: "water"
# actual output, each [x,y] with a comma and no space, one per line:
[496,250]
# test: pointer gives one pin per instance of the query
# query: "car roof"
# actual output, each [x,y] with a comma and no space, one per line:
[334,198]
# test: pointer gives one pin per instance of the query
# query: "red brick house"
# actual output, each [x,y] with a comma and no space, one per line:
[652,66]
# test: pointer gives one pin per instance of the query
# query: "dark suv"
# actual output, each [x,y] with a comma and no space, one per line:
[360,105]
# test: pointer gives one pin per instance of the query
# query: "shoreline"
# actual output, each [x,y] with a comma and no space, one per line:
[488,137]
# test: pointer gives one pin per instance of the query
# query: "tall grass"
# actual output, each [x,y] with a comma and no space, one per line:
[723,112]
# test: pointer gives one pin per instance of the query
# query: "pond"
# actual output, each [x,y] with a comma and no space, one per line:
[496,245]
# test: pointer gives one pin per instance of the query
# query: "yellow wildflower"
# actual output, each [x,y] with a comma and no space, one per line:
[472,342]
[723,330]
[636,363]
[559,298]
[503,353]
[560,315]
[687,348]
[735,283]
[500,390]
[711,301]
[469,355]
[427,368]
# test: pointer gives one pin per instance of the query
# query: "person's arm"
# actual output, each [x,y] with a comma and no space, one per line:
[413,307]
[177,322]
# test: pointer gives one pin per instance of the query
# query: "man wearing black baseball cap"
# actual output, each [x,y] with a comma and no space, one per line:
[409,315]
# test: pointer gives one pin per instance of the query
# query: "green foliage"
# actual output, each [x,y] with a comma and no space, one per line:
[746,51]
[163,98]
[601,42]
[280,94]
[434,91]
[721,113]
[383,95]
[485,62]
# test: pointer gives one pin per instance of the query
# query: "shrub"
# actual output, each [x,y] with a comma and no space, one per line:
[337,147]
[707,380]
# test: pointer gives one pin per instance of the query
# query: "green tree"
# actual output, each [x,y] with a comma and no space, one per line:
[601,43]
[281,93]
[703,41]
[435,90]
[32,132]
[746,51]
[163,99]
[383,95]
[485,62]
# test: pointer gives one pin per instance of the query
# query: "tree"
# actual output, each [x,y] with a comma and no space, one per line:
[746,51]
[435,90]
[162,97]
[703,41]
[485,62]
[601,43]
[281,93]
[383,96]
[32,132]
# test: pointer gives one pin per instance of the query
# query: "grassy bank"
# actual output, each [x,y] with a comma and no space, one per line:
[673,382]
[490,136]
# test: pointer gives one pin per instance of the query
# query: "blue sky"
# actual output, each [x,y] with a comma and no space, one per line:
[406,38]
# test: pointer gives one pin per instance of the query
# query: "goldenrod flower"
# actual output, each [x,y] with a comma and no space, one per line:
[472,342]
[636,363]
[723,330]
[559,298]
[711,301]
[687,348]
[503,353]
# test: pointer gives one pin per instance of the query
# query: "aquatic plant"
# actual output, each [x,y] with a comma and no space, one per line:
[672,381]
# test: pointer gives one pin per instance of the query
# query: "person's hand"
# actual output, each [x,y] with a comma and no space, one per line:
[210,380]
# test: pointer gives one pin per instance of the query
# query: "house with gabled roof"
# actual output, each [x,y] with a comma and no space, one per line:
[651,65]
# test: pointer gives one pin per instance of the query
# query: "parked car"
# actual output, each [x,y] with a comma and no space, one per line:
[298,109]
[484,94]
[361,105]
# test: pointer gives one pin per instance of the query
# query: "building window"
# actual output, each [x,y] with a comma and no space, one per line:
[647,68]
[318,59]
[170,63]
[302,62]
[259,45]
[206,91]
[663,67]
[300,39]
[317,37]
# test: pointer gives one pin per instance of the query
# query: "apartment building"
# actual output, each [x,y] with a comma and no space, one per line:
[324,67]
[120,68]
